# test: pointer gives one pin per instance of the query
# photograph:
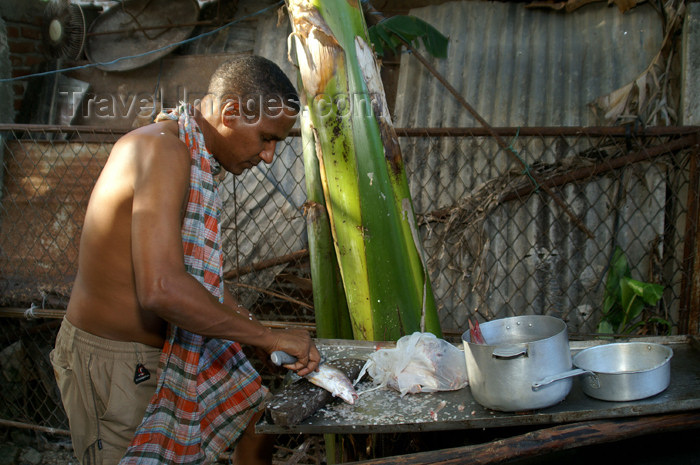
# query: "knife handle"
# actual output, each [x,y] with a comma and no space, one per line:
[280,357]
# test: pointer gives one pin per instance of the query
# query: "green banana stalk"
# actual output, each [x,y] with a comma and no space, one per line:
[330,306]
[375,237]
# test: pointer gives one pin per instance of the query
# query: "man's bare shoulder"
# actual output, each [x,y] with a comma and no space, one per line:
[147,154]
[152,139]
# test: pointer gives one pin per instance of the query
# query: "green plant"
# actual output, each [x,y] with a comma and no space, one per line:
[390,32]
[359,179]
[626,298]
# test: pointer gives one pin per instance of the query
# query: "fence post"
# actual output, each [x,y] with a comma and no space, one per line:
[690,286]
[690,103]
[2,165]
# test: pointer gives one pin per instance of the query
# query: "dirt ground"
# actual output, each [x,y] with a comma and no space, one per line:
[21,447]
[26,447]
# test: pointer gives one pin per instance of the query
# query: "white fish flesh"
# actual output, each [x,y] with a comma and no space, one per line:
[334,381]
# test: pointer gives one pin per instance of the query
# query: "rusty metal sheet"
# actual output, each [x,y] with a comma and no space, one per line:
[383,411]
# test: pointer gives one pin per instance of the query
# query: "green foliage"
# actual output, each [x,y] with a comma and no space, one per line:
[626,298]
[387,34]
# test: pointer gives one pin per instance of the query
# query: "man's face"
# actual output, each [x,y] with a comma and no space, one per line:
[248,142]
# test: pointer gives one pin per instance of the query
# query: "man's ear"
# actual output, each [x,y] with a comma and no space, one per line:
[230,111]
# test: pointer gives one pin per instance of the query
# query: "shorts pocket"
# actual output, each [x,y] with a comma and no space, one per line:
[75,399]
[60,365]
[120,404]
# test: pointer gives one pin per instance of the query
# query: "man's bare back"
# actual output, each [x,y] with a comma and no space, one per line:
[104,300]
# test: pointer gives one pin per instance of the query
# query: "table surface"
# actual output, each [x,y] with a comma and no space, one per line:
[385,411]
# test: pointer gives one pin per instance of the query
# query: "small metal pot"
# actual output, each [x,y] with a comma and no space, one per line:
[621,371]
[519,351]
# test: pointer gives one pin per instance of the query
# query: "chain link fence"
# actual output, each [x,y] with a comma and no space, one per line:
[527,228]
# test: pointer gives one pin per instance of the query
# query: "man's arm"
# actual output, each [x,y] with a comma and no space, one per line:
[293,337]
[162,284]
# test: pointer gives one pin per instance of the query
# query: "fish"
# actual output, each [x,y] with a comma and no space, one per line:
[334,381]
[326,377]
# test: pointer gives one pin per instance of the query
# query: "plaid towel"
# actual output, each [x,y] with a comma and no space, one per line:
[207,387]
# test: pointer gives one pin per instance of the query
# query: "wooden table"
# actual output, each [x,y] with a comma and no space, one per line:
[385,411]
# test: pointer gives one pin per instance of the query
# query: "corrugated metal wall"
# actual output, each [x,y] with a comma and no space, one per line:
[526,67]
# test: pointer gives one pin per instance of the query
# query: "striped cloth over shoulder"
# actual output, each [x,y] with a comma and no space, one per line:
[208,391]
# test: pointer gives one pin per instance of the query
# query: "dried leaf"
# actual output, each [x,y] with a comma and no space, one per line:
[625,5]
[646,97]
[611,106]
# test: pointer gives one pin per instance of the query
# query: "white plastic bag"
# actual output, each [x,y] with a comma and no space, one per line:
[421,362]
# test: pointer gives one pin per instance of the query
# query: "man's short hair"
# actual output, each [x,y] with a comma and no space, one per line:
[256,82]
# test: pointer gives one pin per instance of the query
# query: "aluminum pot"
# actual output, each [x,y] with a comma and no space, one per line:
[519,352]
[621,371]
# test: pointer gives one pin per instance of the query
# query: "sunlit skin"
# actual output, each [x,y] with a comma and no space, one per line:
[131,278]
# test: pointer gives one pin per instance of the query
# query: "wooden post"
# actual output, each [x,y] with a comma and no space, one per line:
[690,283]
[547,440]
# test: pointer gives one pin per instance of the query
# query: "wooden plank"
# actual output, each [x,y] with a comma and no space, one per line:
[546,440]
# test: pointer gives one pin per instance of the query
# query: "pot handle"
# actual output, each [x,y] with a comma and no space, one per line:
[564,375]
[509,351]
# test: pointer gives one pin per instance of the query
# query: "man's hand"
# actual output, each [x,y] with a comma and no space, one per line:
[297,343]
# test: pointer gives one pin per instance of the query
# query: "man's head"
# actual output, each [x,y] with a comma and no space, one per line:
[256,84]
[251,105]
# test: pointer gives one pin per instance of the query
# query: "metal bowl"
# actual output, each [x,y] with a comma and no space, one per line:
[625,371]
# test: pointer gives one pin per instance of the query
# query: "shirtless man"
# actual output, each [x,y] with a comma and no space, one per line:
[131,281]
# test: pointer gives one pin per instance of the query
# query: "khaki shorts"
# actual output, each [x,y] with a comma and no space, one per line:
[96,380]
